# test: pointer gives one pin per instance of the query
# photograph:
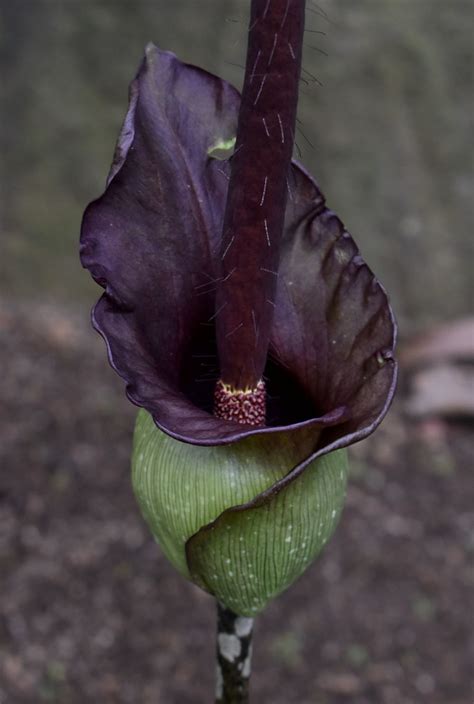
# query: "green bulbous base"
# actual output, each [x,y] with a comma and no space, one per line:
[247,555]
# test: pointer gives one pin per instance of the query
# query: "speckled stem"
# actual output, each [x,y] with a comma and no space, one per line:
[234,655]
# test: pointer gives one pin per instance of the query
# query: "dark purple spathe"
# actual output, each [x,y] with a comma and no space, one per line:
[153,241]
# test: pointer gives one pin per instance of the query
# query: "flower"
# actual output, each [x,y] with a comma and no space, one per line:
[153,241]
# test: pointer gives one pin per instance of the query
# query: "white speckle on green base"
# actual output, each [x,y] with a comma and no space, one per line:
[246,669]
[229,646]
[243,626]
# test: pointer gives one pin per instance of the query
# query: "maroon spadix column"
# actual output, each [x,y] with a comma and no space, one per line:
[255,209]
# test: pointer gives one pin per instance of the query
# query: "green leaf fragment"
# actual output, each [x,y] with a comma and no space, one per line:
[222,149]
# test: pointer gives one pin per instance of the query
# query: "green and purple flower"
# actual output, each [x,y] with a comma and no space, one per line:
[241,316]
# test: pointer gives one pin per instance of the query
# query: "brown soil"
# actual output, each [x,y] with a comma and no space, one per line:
[91,611]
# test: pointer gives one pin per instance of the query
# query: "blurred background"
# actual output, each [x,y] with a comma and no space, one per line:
[89,609]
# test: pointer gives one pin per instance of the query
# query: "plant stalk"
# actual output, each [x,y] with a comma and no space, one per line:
[234,655]
[252,232]
[258,191]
